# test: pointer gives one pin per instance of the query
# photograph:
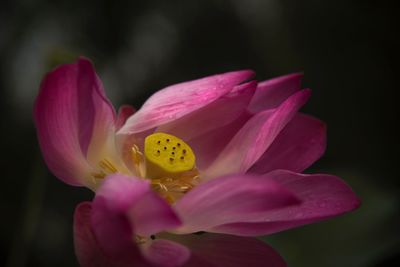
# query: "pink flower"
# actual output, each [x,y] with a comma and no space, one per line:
[221,155]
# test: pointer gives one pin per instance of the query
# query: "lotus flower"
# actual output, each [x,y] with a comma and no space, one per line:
[192,176]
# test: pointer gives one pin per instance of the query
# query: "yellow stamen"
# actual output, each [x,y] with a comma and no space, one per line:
[167,156]
[106,168]
[170,164]
[138,161]
[140,239]
[172,189]
[167,161]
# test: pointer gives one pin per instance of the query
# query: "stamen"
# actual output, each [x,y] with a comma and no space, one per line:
[106,168]
[138,161]
[172,189]
[140,239]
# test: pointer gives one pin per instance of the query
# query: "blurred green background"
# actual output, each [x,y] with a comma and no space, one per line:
[345,48]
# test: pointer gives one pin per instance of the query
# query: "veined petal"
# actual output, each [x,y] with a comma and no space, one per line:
[178,100]
[322,196]
[87,248]
[125,207]
[235,198]
[272,93]
[133,200]
[72,113]
[209,145]
[216,250]
[215,115]
[299,145]
[166,253]
[248,145]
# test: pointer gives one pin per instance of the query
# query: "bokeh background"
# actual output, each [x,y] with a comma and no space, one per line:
[345,48]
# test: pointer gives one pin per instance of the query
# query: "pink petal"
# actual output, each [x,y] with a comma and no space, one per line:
[215,115]
[179,100]
[272,93]
[322,196]
[209,145]
[236,198]
[124,113]
[86,247]
[215,250]
[166,253]
[300,144]
[131,199]
[70,111]
[125,207]
[248,145]
[88,250]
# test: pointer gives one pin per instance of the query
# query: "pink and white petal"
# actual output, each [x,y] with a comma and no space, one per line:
[272,93]
[165,253]
[322,196]
[215,250]
[209,145]
[88,250]
[213,116]
[179,100]
[151,215]
[299,145]
[124,112]
[229,199]
[70,110]
[125,143]
[250,143]
[135,208]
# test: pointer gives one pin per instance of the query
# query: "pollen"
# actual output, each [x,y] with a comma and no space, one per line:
[167,155]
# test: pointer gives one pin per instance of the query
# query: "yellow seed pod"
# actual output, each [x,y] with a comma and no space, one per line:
[167,156]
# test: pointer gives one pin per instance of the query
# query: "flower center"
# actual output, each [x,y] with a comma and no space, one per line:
[170,164]
[167,155]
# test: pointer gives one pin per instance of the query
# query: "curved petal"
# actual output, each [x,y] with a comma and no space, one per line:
[236,198]
[179,100]
[125,207]
[166,253]
[216,250]
[124,113]
[88,250]
[299,145]
[71,111]
[248,145]
[133,198]
[322,196]
[209,145]
[86,247]
[272,93]
[91,254]
[215,115]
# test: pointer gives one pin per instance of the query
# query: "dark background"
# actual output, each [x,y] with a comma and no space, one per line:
[345,48]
